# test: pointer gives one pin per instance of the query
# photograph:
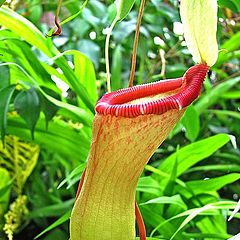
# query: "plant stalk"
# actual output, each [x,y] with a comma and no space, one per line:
[134,56]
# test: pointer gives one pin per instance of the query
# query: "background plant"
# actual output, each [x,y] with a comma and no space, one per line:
[190,186]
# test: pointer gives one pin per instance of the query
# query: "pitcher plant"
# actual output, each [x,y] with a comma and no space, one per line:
[129,125]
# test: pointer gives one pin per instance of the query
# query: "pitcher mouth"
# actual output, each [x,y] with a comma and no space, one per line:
[154,98]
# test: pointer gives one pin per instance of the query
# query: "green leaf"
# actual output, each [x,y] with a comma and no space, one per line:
[170,183]
[5,187]
[6,95]
[116,68]
[77,172]
[194,212]
[149,185]
[212,184]
[210,98]
[85,72]
[227,49]
[63,138]
[4,76]
[24,28]
[60,221]
[52,210]
[123,8]
[175,200]
[194,153]
[49,109]
[211,236]
[199,20]
[1,2]
[235,211]
[27,105]
[234,5]
[226,113]
[191,123]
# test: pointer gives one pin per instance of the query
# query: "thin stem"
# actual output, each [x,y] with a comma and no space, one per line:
[163,60]
[134,56]
[140,222]
[59,29]
[107,53]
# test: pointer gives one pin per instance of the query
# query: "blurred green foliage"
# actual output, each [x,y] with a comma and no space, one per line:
[50,86]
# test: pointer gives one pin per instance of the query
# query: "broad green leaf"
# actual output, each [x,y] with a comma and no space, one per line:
[60,137]
[212,184]
[199,18]
[194,153]
[228,49]
[176,200]
[170,183]
[70,18]
[4,76]
[231,95]
[5,96]
[85,72]
[210,98]
[154,218]
[73,79]
[1,2]
[49,109]
[219,167]
[29,61]
[194,212]
[123,8]
[149,185]
[116,68]
[27,104]
[58,222]
[191,123]
[226,113]
[24,28]
[52,210]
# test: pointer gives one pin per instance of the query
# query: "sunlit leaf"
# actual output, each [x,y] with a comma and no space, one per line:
[176,200]
[24,28]
[123,8]
[5,187]
[19,158]
[195,152]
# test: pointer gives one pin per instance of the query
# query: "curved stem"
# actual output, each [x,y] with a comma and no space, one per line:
[134,56]
[107,53]
[59,29]
[140,222]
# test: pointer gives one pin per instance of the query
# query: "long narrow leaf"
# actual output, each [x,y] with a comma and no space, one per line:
[60,221]
[195,152]
[5,96]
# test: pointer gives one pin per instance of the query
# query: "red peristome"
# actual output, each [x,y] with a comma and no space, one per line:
[189,88]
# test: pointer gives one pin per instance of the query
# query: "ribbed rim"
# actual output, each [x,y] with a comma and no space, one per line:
[117,103]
